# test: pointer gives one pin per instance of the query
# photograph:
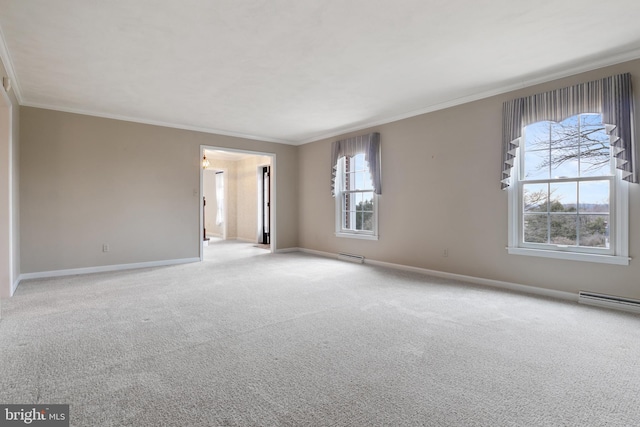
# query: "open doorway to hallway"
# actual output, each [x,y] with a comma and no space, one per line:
[237,189]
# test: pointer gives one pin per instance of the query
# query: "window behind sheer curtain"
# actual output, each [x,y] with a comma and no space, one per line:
[356,185]
[568,155]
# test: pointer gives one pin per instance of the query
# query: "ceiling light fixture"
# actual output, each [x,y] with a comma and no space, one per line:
[205,162]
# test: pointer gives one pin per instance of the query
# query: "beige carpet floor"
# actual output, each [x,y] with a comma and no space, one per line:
[249,338]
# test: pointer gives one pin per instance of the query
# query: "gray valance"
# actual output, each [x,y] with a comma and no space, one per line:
[367,144]
[612,97]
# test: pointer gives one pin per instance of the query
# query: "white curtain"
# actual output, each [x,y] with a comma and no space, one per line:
[220,197]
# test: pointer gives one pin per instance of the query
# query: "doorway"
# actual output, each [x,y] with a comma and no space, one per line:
[237,204]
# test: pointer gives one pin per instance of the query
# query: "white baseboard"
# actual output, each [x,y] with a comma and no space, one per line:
[289,250]
[469,279]
[105,268]
[14,286]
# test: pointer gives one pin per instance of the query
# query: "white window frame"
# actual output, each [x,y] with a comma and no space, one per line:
[617,254]
[340,200]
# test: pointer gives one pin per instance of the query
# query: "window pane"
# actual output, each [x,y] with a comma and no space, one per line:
[367,221]
[535,228]
[536,151]
[565,148]
[594,231]
[563,229]
[595,152]
[535,197]
[368,184]
[363,181]
[563,197]
[359,162]
[366,202]
[561,208]
[594,196]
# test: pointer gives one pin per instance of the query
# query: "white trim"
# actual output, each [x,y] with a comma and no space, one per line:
[158,123]
[14,286]
[480,281]
[8,65]
[260,201]
[288,250]
[105,268]
[274,207]
[356,235]
[621,195]
[314,252]
[618,254]
[200,194]
[339,198]
[12,273]
[6,113]
[614,59]
[571,256]
[469,279]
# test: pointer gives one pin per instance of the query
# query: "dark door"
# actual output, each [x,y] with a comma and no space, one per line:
[266,204]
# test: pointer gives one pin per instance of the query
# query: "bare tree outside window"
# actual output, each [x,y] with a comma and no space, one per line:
[566,182]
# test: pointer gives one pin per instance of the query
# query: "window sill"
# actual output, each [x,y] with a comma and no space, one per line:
[357,236]
[572,256]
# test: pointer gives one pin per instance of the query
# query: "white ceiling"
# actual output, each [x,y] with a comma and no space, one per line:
[298,70]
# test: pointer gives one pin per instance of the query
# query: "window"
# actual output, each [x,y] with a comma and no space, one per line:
[356,201]
[356,185]
[568,158]
[569,201]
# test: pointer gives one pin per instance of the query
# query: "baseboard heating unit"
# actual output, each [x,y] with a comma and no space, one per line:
[351,258]
[609,301]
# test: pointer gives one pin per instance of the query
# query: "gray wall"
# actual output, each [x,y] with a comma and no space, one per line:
[86,181]
[441,189]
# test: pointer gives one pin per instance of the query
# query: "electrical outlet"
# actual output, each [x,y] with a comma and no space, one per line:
[105,247]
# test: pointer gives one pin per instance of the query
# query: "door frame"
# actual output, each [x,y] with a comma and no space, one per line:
[261,204]
[7,247]
[274,208]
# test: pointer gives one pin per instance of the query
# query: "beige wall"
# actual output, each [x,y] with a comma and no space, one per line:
[86,181]
[9,190]
[247,180]
[441,189]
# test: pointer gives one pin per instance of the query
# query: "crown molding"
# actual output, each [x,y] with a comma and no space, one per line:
[582,67]
[157,123]
[8,65]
